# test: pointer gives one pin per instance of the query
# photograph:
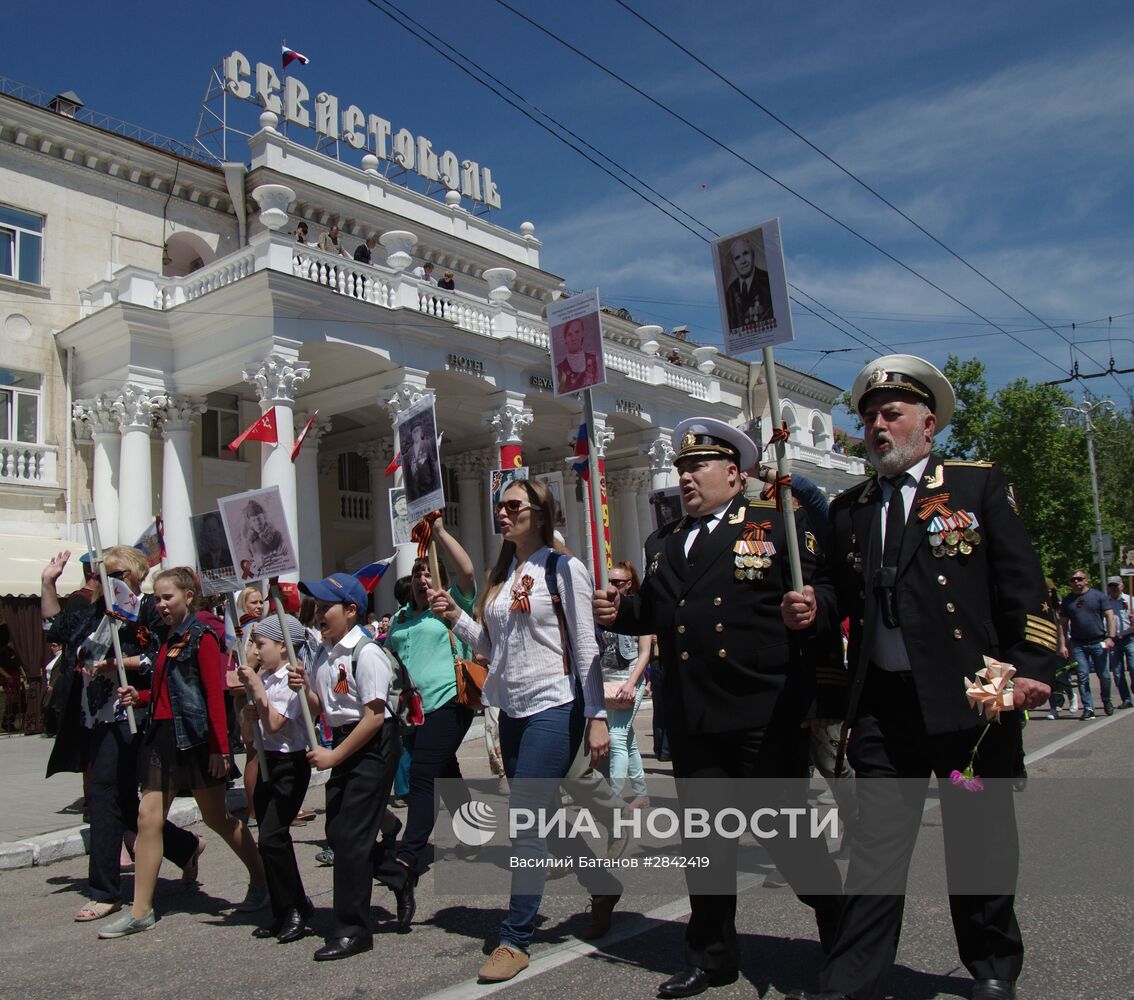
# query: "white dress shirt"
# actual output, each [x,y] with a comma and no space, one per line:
[524,648]
[372,681]
[284,700]
[708,525]
[890,651]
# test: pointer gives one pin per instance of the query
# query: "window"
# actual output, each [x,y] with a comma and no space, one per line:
[19,406]
[220,423]
[354,473]
[21,245]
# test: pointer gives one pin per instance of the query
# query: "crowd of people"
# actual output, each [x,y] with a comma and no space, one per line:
[753,672]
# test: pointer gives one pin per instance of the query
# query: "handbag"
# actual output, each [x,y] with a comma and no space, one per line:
[470,679]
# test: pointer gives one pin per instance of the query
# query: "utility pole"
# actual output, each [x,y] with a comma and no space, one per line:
[1085,414]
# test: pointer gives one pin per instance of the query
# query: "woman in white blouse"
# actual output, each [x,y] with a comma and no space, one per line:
[547,694]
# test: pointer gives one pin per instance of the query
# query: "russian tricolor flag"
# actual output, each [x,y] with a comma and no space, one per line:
[582,453]
[370,574]
[290,55]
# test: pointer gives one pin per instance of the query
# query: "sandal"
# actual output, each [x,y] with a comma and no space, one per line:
[306,815]
[96,911]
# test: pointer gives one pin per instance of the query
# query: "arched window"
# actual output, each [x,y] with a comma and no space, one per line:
[819,436]
[184,254]
[791,418]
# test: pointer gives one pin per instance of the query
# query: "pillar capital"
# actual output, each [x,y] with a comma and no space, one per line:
[177,413]
[134,406]
[401,396]
[319,429]
[660,453]
[277,378]
[377,451]
[97,414]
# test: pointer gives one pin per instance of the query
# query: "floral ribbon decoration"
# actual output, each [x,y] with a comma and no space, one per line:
[928,506]
[779,434]
[341,685]
[990,692]
[521,595]
[423,533]
[774,491]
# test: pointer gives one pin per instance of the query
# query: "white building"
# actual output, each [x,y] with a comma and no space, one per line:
[154,304]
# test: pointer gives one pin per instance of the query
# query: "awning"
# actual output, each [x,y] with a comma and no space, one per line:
[22,558]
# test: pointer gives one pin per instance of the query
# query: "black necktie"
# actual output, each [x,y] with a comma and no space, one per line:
[701,542]
[887,575]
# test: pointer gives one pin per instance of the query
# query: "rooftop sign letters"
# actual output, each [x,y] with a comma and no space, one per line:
[291,100]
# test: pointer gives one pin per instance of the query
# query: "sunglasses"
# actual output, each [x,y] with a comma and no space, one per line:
[118,574]
[620,583]
[512,506]
[1078,579]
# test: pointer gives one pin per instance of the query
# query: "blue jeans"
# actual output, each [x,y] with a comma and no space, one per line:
[540,746]
[1092,656]
[625,760]
[1122,661]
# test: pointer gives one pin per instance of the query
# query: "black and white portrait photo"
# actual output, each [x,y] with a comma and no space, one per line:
[214,559]
[752,288]
[421,460]
[258,535]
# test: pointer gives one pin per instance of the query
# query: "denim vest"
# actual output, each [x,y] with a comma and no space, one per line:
[183,680]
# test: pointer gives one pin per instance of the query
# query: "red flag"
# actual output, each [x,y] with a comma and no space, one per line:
[263,429]
[290,55]
[395,463]
[302,434]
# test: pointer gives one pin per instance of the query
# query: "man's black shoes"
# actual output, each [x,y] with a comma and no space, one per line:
[407,903]
[296,924]
[994,989]
[344,947]
[691,980]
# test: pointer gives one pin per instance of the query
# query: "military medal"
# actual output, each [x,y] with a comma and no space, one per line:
[752,552]
[950,532]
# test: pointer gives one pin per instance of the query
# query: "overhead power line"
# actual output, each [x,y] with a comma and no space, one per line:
[775,180]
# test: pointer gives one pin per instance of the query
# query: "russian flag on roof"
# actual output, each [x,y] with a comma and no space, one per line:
[370,574]
[290,55]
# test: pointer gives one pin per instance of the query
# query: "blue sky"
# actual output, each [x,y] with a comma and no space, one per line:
[1004,129]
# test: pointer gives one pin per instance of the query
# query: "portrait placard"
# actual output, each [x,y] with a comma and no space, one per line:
[400,524]
[421,459]
[576,343]
[752,289]
[258,535]
[554,482]
[665,506]
[215,564]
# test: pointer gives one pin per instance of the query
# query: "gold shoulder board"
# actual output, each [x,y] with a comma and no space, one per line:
[973,465]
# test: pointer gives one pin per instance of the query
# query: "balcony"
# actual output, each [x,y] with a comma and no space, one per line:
[382,287]
[28,465]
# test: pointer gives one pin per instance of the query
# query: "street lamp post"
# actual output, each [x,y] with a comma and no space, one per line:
[1086,413]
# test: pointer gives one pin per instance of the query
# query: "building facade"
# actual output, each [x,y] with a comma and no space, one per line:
[154,305]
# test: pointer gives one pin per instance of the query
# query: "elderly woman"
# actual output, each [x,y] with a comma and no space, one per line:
[93,731]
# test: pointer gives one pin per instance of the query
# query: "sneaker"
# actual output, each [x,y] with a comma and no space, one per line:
[325,857]
[1087,714]
[126,924]
[189,872]
[1108,708]
[1054,716]
[255,899]
[503,964]
[1127,704]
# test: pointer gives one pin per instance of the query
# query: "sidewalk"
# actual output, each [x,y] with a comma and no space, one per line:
[41,821]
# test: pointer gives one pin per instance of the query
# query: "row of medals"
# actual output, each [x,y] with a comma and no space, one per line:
[954,541]
[751,567]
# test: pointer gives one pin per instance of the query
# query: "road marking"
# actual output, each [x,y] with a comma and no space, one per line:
[1083,731]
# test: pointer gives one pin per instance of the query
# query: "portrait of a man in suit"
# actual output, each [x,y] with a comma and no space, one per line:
[748,297]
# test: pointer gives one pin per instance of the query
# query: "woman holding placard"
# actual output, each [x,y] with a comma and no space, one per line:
[544,678]
[185,748]
[93,731]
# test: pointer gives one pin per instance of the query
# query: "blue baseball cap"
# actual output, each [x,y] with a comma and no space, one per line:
[338,588]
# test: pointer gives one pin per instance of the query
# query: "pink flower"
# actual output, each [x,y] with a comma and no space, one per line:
[956,777]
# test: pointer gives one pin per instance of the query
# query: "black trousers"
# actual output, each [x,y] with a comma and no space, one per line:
[889,742]
[433,748]
[778,756]
[657,691]
[357,793]
[277,799]
[113,797]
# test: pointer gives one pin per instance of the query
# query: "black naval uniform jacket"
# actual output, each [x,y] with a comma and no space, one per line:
[730,662]
[952,609]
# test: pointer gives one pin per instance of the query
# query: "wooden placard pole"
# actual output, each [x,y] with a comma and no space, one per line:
[598,540]
[242,660]
[782,469]
[94,544]
[308,722]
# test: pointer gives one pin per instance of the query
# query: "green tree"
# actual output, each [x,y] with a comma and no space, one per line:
[970,419]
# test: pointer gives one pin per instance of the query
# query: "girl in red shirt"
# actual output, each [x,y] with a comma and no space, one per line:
[185,748]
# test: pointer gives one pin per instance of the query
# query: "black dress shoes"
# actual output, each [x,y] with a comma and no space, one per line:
[407,903]
[269,930]
[994,989]
[344,947]
[691,980]
[295,924]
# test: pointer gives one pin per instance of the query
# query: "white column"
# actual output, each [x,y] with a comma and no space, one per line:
[645,521]
[307,498]
[660,455]
[177,416]
[507,418]
[470,482]
[98,414]
[626,539]
[276,380]
[135,408]
[407,392]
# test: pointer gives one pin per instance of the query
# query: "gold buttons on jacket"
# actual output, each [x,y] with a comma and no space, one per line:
[722,653]
[681,629]
[958,634]
[941,580]
[950,607]
[719,627]
[685,656]
[717,602]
